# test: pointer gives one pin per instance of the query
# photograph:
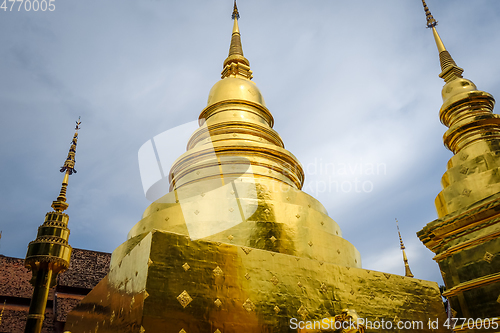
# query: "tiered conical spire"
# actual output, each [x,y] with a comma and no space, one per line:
[235,125]
[449,68]
[465,235]
[50,253]
[467,112]
[236,65]
[236,145]
[69,168]
[408,272]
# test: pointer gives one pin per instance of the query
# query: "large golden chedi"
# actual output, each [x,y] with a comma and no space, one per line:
[236,246]
[466,235]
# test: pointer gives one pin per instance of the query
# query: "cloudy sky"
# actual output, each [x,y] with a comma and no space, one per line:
[352,85]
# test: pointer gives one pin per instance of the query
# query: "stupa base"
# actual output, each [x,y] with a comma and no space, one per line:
[168,283]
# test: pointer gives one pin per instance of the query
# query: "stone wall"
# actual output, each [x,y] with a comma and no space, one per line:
[86,269]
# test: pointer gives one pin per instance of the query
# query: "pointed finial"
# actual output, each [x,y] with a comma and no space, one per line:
[69,164]
[69,168]
[236,65]
[408,272]
[431,22]
[236,14]
[400,238]
[450,70]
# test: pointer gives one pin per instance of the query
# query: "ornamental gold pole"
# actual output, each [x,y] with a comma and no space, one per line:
[408,272]
[39,301]
[49,254]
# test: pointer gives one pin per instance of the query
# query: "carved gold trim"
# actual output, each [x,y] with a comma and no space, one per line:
[465,245]
[484,280]
[432,234]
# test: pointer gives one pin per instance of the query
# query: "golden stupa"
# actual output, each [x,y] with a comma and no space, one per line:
[236,246]
[466,235]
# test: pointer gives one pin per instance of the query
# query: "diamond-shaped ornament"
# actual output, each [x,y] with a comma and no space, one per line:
[302,311]
[218,303]
[274,280]
[184,299]
[247,250]
[218,271]
[248,305]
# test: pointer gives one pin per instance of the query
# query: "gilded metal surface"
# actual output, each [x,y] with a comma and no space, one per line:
[273,226]
[348,318]
[236,246]
[49,253]
[246,305]
[465,237]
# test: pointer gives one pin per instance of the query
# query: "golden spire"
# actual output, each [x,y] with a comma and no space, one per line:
[236,14]
[468,114]
[60,204]
[236,65]
[49,254]
[431,22]
[450,70]
[408,272]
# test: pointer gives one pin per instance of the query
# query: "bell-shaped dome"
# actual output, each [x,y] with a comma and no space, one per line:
[232,88]
[456,87]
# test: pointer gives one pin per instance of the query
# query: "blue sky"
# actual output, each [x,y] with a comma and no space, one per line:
[353,87]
